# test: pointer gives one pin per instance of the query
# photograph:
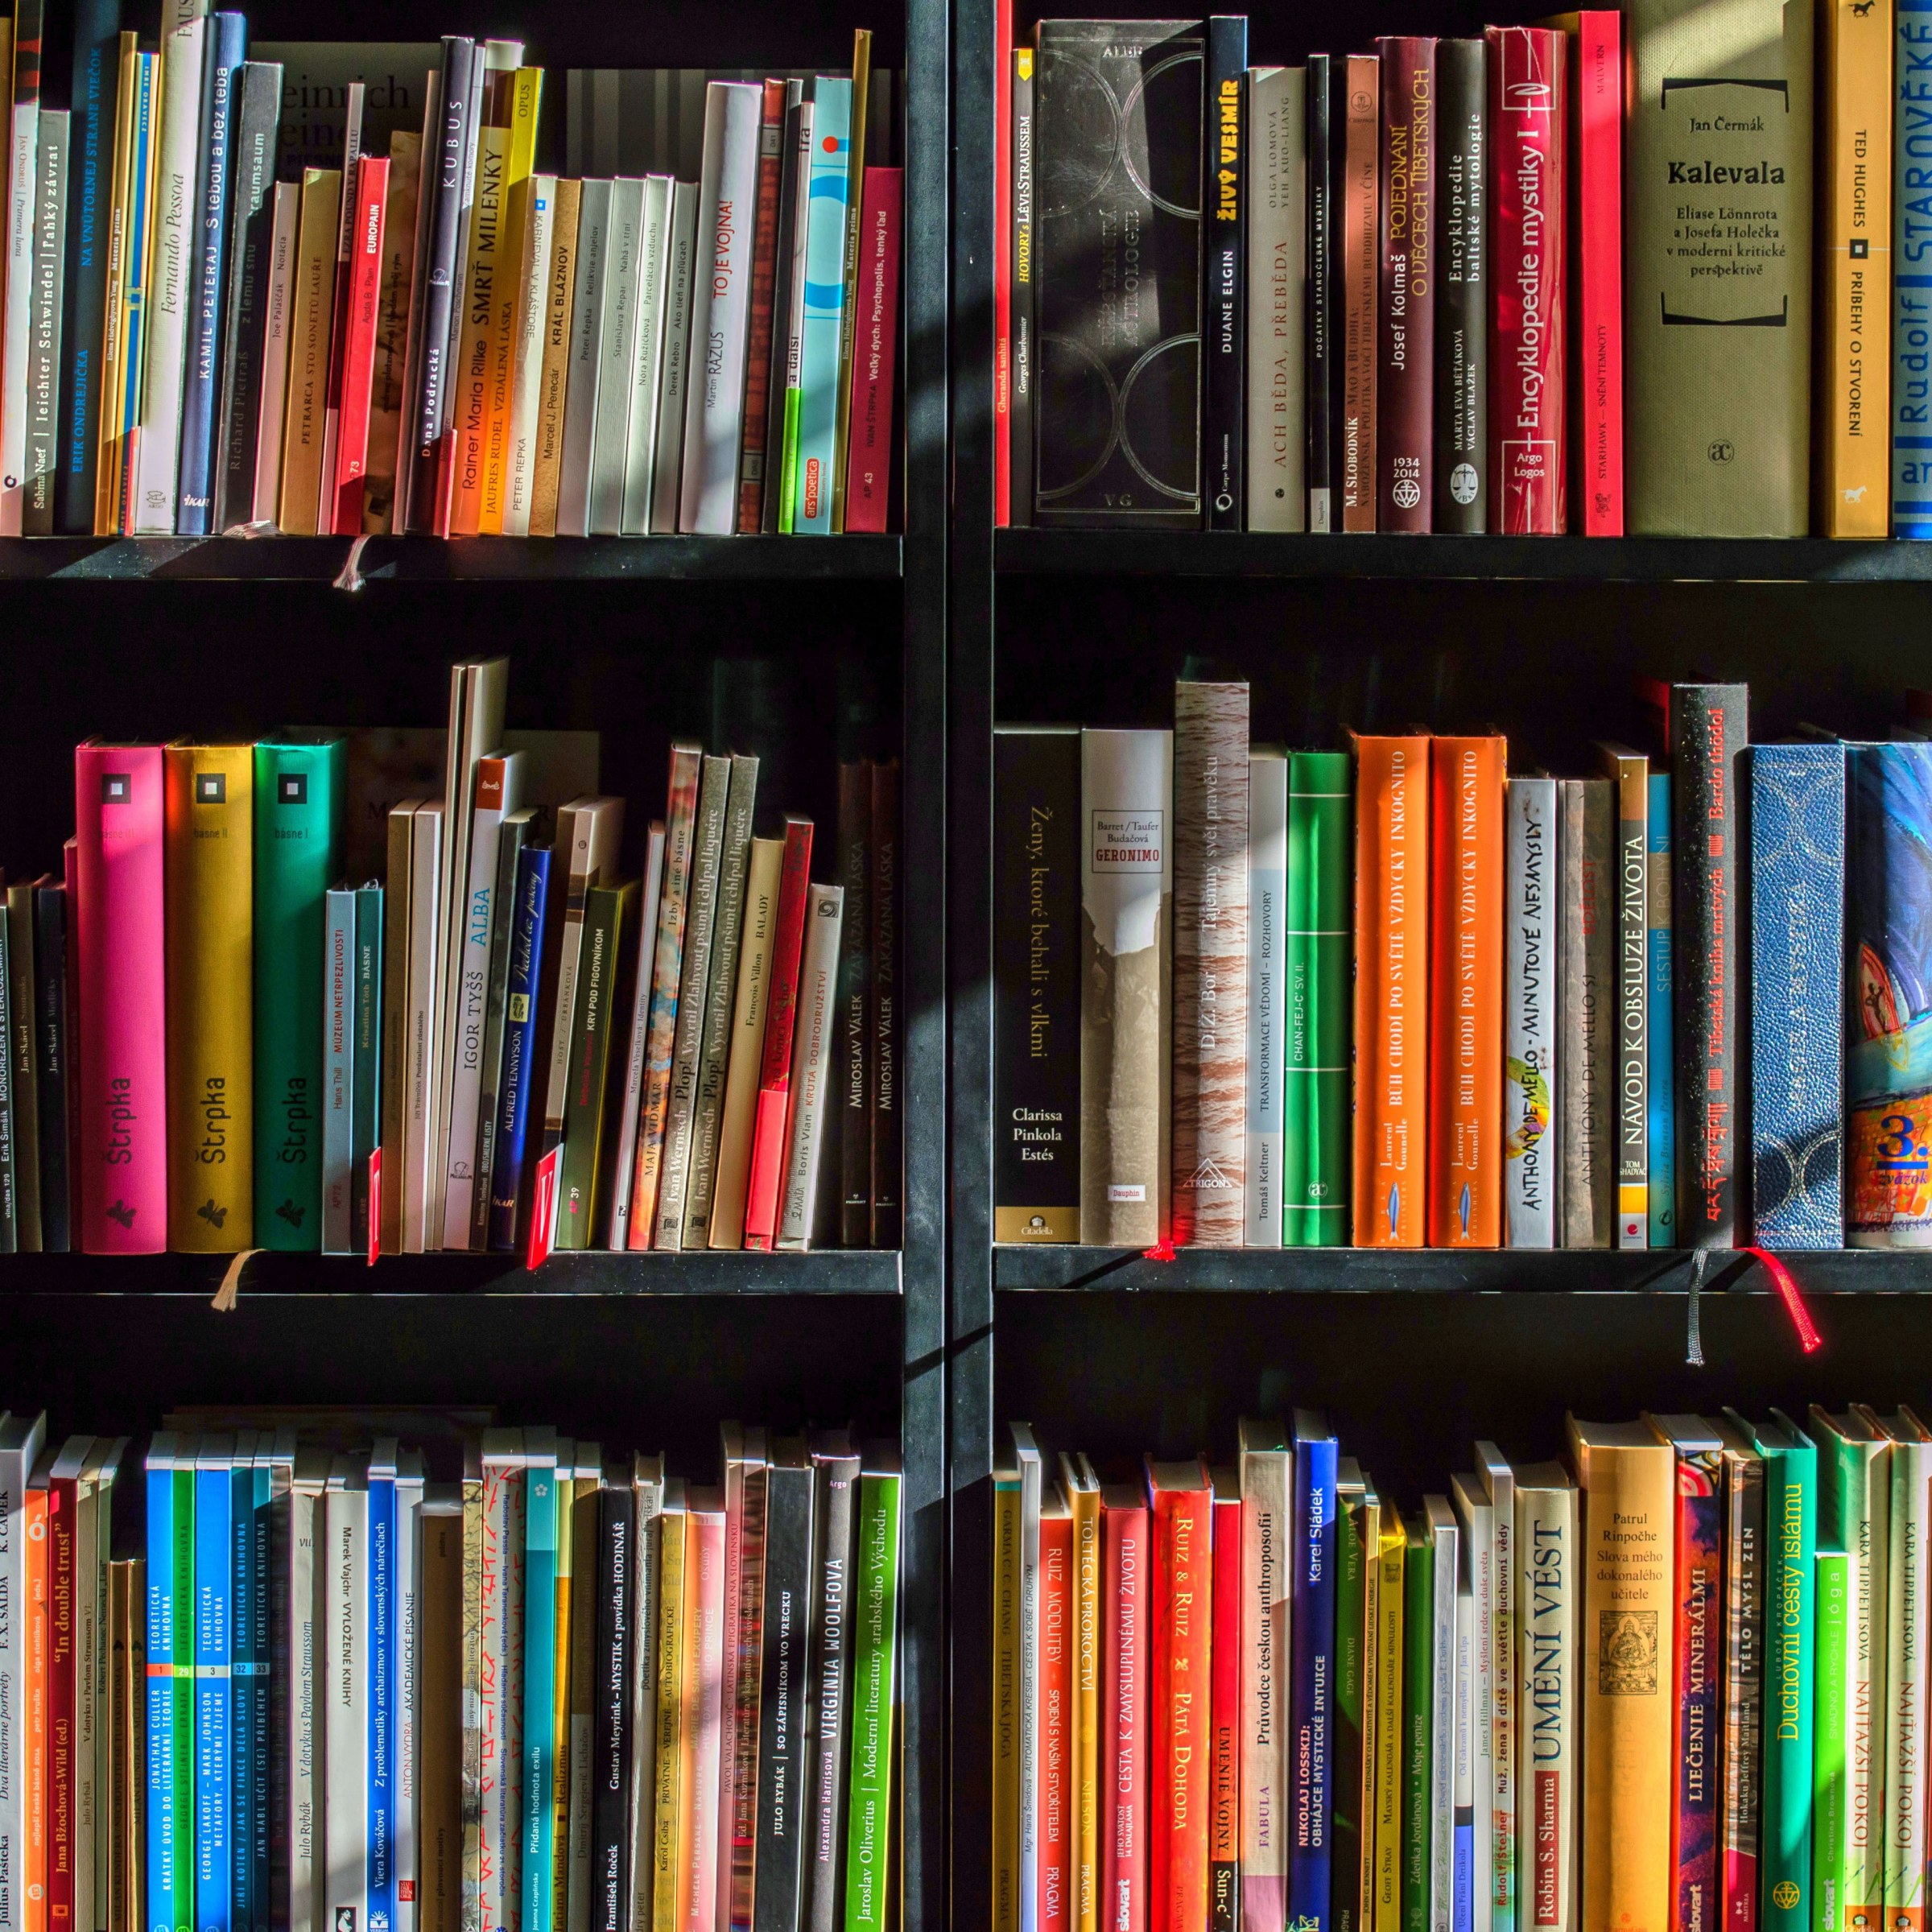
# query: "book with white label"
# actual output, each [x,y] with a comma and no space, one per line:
[1549,1607]
[810,1065]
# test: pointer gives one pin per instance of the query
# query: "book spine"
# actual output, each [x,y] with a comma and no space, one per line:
[1224,1721]
[1418,1730]
[540,329]
[1587,982]
[614,500]
[399,317]
[63,1844]
[1266,1591]
[24,145]
[704,1690]
[345,1728]
[166,1843]
[1123,1745]
[752,444]
[1053,1910]
[1225,191]
[503,911]
[257,88]
[311,332]
[20,1038]
[793,316]
[538,1825]
[1743,1703]
[1661,1072]
[54,1024]
[346,486]
[824,297]
[1311,1685]
[1462,334]
[853,1022]
[611,1743]
[1002,261]
[338,1063]
[144,117]
[494,795]
[1911,264]
[1275,277]
[1086,1722]
[10,1209]
[1831,1788]
[1785,1801]
[337,267]
[782,1748]
[578,368]
[674,1557]
[276,324]
[366,1078]
[745,1642]
[183,1684]
[1797,831]
[380,1801]
[812,1060]
[1183,1608]
[674,372]
[1528,119]
[520,1045]
[1406,382]
[91,101]
[1598,224]
[1268,778]
[1530,1089]
[215,1766]
[887,1019]
[53,166]
[1548,1621]
[1904,1726]
[1323,356]
[426,401]
[1465,1889]
[1631,891]
[585,1177]
[1708,727]
[793,167]
[834,1613]
[1350,1834]
[769,1144]
[1358,299]
[869,455]
[1019,439]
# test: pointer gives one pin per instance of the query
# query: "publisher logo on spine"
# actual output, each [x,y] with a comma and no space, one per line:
[117,787]
[1127,841]
[211,788]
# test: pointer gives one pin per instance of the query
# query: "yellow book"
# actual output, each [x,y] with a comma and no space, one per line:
[1854,388]
[312,322]
[110,448]
[553,384]
[1006,1698]
[1629,1484]
[1083,1493]
[526,96]
[210,897]
[673,1533]
[1386,1573]
[559,1703]
[487,259]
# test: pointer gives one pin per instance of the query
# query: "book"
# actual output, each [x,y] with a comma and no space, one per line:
[885,1057]
[1352,1828]
[1127,913]
[875,351]
[243,399]
[1262,1213]
[262,506]
[673,372]
[1902,1764]
[1830,1809]
[823,291]
[1911,307]
[22,973]
[1405,378]
[1318,933]
[1358,304]
[1548,1619]
[1082,1488]
[853,1022]
[582,376]
[346,485]
[1019,352]
[1468,781]
[751,996]
[1448,1687]
[769,1144]
[1275,280]
[1125,1556]
[1311,1630]
[405,242]
[782,1738]
[1003,57]
[765,447]
[874,1685]
[549,395]
[509,297]
[1629,771]
[41,477]
[513,833]
[858,125]
[1208,1094]
[1586,1008]
[754,443]
[1225,193]
[609,911]
[1224,1710]
[1797,823]
[1015,1712]
[1598,82]
[1531,1089]
[790,324]
[1742,1652]
[1416,1839]
[91,101]
[487,246]
[420,1029]
[1183,1606]
[835,1556]
[811,1060]
[366,1049]
[613,348]
[53,1022]
[1323,253]
[1717,434]
[1391,944]
[312,322]
[122,338]
[534,291]
[1386,1639]
[1461,465]
[1476,1696]
[342,255]
[1660,1072]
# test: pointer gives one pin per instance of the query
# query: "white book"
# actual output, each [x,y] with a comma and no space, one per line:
[16,321]
[419,1044]
[500,1614]
[617,366]
[1265,1471]
[720,322]
[1267,912]
[275,354]
[647,357]
[158,453]
[810,1064]
[1444,1541]
[1547,1622]
[1530,1138]
[1497,1814]
[307,1775]
[667,465]
[640,1033]
[1905,1634]
[526,379]
[1475,1747]
[409,1674]
[338,1061]
[580,386]
[345,1693]
[21,1438]
[1278,224]
[497,792]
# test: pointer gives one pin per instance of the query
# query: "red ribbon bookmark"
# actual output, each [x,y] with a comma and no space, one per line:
[1809,1339]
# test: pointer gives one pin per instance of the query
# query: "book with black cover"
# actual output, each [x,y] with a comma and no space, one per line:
[1225,197]
[1323,362]
[611,1712]
[835,1468]
[258,126]
[52,1027]
[784,1727]
[91,134]
[888,1131]
[1117,161]
[1462,301]
[855,1005]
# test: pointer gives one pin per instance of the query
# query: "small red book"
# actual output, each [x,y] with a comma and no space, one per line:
[868,465]
[1183,1612]
[774,1073]
[1224,1715]
[1057,1809]
[1599,203]
[1123,1860]
[1406,381]
[359,344]
[752,467]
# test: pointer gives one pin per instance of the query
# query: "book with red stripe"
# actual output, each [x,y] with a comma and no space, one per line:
[755,463]
[1183,1612]
[63,1822]
[1058,1908]
[1123,1860]
[359,344]
[775,1076]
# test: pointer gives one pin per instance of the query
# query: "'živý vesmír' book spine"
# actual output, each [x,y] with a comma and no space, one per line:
[1225,192]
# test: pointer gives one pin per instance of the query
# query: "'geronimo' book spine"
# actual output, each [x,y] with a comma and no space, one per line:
[1405,383]
[1462,305]
[1530,1135]
[1358,304]
[1224,332]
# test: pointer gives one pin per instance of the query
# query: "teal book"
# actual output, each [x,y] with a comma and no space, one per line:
[1831,1851]
[540,1508]
[874,1661]
[1418,1711]
[823,310]
[298,844]
[1662,1069]
[1319,934]
[365,1088]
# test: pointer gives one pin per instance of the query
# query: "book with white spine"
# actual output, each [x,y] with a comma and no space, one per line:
[810,1065]
[346,1693]
[720,323]
[527,365]
[617,351]
[406,1777]
[1530,1139]
[275,354]
[1548,1596]
[1277,223]
[581,385]
[1267,1581]
[1475,1748]
[16,319]
[419,1038]
[667,463]
[647,355]
[308,1533]
[170,262]
[1267,1004]
[1497,1812]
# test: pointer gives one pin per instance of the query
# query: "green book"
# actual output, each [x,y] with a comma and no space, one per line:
[1316,1106]
[1353,1509]
[297,841]
[608,912]
[874,1630]
[539,1822]
[1418,1706]
[1831,1788]
[365,1076]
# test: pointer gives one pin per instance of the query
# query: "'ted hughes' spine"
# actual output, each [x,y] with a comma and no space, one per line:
[1406,432]
[1223,403]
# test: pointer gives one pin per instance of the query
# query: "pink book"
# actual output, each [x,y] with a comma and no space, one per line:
[1598,202]
[119,943]
[781,1011]
[359,344]
[1125,1554]
[703,1705]
[869,472]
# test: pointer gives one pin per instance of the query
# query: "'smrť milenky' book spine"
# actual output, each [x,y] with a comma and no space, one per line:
[1223,322]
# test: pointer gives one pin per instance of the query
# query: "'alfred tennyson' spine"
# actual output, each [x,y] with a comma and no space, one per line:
[1224,192]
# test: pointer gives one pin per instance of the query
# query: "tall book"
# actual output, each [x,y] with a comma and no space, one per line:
[753,444]
[1911,299]
[1224,1710]
[1550,1655]
[1532,1132]
[1126,928]
[1830,1846]
[311,326]
[1416,1835]
[1183,1621]
[1629,771]
[91,102]
[1267,1580]
[751,999]
[261,506]
[346,484]
[1322,338]
[570,513]
[834,1560]
[853,1022]
[1126,1557]
[1225,192]
[871,443]
[1358,304]
[1317,937]
[803,1203]
[1462,331]
[609,912]
[766,1164]
[608,347]
[874,1691]
[48,308]
[22,211]
[1743,1652]
[1312,1681]
[1405,379]
[1267,1008]
[1587,1011]
[1660,1072]
[786,1651]
[1596,228]
[1718,433]
[857,123]
[1476,1794]
[824,308]
[678,254]
[1277,277]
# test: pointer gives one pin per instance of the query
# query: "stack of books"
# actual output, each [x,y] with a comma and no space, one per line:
[1619,272]
[1397,996]
[1671,1680]
[230,308]
[324,1669]
[222,1033]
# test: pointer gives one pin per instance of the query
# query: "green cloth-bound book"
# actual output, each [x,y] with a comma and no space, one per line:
[1418,1708]
[1830,1806]
[1315,1103]
[874,1631]
[297,842]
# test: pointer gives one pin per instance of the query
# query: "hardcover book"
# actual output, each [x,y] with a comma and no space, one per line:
[1532,1130]
[1124,1744]
[1406,380]
[1629,772]
[1278,277]
[1226,191]
[1267,1005]
[1660,1069]
[1267,1584]
[1326,123]
[1317,936]
[1183,1605]
[1586,1009]
[1462,332]
[1311,1680]
[1911,291]
[1743,1654]
[1358,217]
[1596,228]
[1550,1655]
[1223,1712]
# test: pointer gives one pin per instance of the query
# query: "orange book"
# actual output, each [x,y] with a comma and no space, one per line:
[1391,988]
[1179,1700]
[39,1639]
[1467,780]
[1056,1826]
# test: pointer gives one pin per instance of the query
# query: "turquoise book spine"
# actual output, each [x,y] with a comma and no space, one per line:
[539,1691]
[1785,1875]
[824,309]
[1662,1112]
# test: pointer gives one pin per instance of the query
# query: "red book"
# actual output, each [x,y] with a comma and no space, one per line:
[63,1506]
[1529,90]
[1598,226]
[1123,1860]
[1183,1611]
[1224,1770]
[359,344]
[868,471]
[1406,380]
[1002,262]
[1057,1810]
[70,872]
[1698,1726]
[775,1071]
[764,288]
[1362,287]
[118,925]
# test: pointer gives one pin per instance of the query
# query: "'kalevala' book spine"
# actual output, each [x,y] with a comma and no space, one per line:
[1462,305]
[1662,1092]
[96,27]
[1629,771]
[1709,726]
[1025,352]
[1036,1148]
[1532,1132]
[1796,814]
[45,309]
[1405,396]
[1323,362]
[1276,302]
[259,118]
[519,1047]
[1586,978]
[1223,331]
[784,1730]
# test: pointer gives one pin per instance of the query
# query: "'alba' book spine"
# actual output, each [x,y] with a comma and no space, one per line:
[1911,264]
[1318,934]
[1660,1070]
[1532,1132]
[812,1060]
[1629,771]
[1225,193]
[1276,277]
[1267,1011]
[1405,383]
[1358,303]
[1585,990]
[1462,306]
[1597,226]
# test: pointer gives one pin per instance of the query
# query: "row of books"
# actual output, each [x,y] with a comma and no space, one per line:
[215,1041]
[437,336]
[1560,278]
[1396,996]
[1674,1680]
[284,1671]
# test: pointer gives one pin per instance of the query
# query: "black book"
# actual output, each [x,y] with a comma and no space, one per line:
[257,136]
[10,1234]
[854,995]
[1324,361]
[1117,161]
[781,302]
[785,1706]
[51,1024]
[836,1472]
[611,1714]
[1224,212]
[1024,354]
[1462,305]
[90,172]
[887,1130]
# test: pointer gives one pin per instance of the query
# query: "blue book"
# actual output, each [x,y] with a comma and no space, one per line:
[91,138]
[519,1046]
[339,968]
[1311,1682]
[1797,868]
[383,1654]
[365,1123]
[214,1659]
[824,307]
[1661,1068]
[247,1740]
[261,1664]
[201,379]
[1911,280]
[539,1678]
[165,1906]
